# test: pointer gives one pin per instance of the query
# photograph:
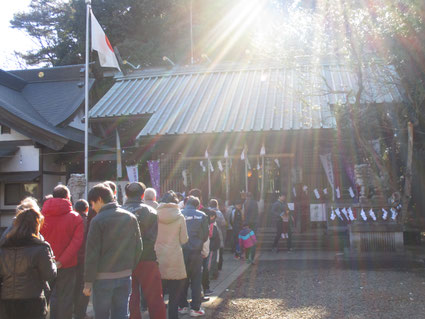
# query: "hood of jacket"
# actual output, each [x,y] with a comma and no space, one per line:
[56,207]
[168,213]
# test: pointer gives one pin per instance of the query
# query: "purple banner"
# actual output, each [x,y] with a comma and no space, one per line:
[349,169]
[155,176]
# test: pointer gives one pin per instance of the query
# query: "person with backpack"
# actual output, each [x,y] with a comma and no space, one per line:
[146,275]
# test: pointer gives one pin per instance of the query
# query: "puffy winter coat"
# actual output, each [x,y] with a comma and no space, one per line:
[172,234]
[63,229]
[25,266]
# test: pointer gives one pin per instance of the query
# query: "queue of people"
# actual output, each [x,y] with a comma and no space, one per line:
[57,256]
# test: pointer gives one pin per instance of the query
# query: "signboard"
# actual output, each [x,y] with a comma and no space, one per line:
[318,212]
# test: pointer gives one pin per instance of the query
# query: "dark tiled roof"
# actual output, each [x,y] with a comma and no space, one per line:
[234,98]
[40,100]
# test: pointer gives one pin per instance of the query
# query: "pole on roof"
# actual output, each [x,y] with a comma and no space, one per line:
[246,171]
[227,182]
[191,32]
[209,178]
[86,102]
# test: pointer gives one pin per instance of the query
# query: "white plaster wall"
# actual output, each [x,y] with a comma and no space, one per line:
[13,136]
[51,181]
[25,159]
[76,122]
[6,220]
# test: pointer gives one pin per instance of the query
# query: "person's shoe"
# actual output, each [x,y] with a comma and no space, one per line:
[197,313]
[208,292]
[183,310]
[205,299]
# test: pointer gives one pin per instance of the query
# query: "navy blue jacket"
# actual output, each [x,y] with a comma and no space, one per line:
[197,228]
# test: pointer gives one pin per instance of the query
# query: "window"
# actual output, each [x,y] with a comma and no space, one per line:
[15,192]
[5,129]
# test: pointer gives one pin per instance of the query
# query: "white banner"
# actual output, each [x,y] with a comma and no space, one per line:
[317,212]
[326,160]
[132,173]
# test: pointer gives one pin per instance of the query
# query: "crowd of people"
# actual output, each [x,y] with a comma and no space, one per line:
[126,257]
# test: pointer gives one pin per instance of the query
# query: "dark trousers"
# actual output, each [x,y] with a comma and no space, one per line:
[24,308]
[235,248]
[250,253]
[80,300]
[212,264]
[279,230]
[205,274]
[193,262]
[61,300]
[220,258]
[147,276]
[175,290]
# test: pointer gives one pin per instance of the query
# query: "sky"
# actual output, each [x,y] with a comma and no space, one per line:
[12,39]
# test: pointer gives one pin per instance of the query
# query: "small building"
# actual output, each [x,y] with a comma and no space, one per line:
[41,131]
[232,128]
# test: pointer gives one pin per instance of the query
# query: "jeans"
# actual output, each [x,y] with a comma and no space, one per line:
[110,298]
[148,277]
[62,297]
[193,262]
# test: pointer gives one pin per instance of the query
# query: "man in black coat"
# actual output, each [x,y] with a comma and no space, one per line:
[146,275]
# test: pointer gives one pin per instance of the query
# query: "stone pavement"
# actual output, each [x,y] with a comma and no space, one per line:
[233,269]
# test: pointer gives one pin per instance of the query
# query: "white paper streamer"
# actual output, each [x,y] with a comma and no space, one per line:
[338,193]
[243,155]
[351,192]
[316,192]
[363,215]
[344,211]
[263,150]
[325,191]
[248,164]
[202,165]
[294,192]
[305,189]
[258,165]
[394,213]
[372,214]
[211,166]
[226,153]
[206,153]
[276,160]
[350,213]
[220,165]
[333,216]
[385,214]
[338,213]
[184,174]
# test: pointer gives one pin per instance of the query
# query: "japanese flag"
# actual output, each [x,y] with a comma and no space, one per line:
[101,44]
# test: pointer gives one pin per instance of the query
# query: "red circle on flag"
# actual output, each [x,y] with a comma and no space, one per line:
[109,43]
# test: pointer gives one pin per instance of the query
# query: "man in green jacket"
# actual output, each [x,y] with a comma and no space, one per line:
[113,249]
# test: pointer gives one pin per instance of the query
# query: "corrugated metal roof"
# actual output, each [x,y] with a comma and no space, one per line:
[238,99]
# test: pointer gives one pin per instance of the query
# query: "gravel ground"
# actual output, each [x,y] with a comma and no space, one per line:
[312,289]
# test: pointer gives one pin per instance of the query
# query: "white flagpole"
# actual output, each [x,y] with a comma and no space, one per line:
[86,102]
